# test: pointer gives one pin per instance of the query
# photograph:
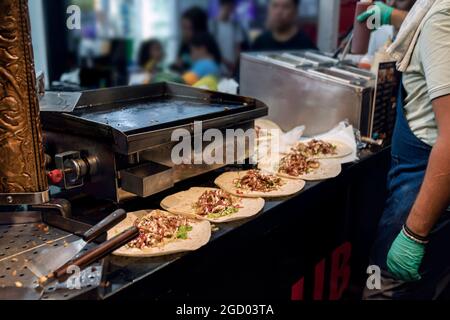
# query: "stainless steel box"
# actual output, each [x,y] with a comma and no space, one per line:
[306,88]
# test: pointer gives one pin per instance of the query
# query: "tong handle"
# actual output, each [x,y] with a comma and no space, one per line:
[97,253]
[104,225]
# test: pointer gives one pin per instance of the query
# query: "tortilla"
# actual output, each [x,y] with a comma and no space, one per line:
[329,169]
[197,238]
[227,183]
[183,202]
[343,150]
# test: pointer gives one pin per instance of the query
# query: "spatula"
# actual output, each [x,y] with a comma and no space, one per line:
[91,256]
[52,258]
[61,275]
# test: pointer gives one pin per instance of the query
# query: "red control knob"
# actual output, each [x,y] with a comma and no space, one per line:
[55,177]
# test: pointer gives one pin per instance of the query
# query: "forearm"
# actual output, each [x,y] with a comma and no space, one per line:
[434,196]
[397,18]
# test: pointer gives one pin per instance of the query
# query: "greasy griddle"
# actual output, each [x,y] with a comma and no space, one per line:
[137,117]
[134,119]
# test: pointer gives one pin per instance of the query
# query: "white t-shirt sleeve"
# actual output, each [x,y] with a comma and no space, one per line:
[434,46]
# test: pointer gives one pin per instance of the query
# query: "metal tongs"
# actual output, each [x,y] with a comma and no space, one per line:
[62,274]
[346,49]
[91,256]
[52,258]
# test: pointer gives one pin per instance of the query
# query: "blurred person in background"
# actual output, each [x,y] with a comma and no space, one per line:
[229,35]
[150,65]
[151,55]
[193,21]
[283,29]
[206,61]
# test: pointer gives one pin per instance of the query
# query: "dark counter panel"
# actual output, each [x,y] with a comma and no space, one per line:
[314,245]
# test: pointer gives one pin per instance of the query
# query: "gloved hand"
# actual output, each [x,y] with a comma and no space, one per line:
[385,13]
[405,257]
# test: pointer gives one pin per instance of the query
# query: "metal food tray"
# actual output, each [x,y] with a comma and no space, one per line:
[137,118]
[19,244]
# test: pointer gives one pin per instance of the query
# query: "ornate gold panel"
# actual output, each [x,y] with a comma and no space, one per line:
[22,167]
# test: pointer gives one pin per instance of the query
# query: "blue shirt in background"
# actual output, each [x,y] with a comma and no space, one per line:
[206,67]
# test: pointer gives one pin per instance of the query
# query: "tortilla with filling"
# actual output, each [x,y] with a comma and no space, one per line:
[328,169]
[184,202]
[342,150]
[227,182]
[197,238]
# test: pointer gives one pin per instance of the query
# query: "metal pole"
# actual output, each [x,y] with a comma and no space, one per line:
[329,14]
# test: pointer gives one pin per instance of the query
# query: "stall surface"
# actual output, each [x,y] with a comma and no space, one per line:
[311,246]
[301,247]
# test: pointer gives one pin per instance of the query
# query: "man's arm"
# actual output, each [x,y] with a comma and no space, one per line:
[408,250]
[434,196]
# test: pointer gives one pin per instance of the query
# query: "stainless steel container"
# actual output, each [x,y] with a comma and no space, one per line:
[307,88]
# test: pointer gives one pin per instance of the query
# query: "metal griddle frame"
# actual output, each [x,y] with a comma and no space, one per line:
[130,142]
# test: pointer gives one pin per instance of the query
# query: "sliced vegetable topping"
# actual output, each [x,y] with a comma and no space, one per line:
[158,228]
[296,165]
[255,180]
[215,204]
[315,148]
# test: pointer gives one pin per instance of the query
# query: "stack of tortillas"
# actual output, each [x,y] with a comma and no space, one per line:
[329,166]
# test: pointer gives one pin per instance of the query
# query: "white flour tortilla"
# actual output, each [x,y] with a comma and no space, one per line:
[182,203]
[227,183]
[343,150]
[328,169]
[197,238]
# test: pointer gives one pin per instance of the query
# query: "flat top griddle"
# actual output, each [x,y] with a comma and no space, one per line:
[133,119]
[136,117]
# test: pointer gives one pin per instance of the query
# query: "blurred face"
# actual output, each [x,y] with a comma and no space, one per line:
[404,5]
[187,30]
[227,9]
[156,52]
[282,15]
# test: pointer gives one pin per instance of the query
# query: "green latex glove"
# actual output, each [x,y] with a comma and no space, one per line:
[405,257]
[385,12]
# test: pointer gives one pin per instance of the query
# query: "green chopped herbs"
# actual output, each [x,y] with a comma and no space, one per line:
[183,232]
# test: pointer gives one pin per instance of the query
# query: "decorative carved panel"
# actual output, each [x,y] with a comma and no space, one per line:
[22,168]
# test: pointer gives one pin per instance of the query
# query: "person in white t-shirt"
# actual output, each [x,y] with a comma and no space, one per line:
[229,35]
[413,237]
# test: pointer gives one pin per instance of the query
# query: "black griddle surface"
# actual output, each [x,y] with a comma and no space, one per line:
[153,115]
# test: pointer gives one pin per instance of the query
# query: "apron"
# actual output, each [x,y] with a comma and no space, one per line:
[410,158]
